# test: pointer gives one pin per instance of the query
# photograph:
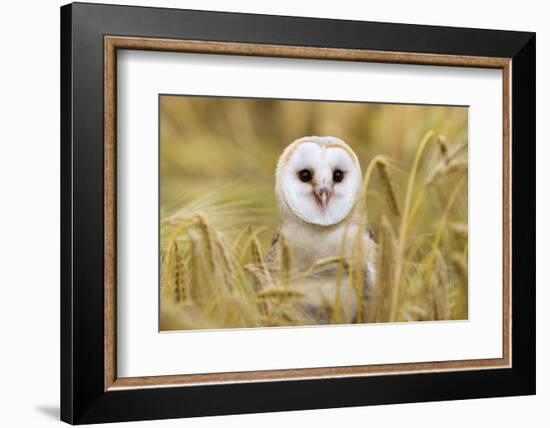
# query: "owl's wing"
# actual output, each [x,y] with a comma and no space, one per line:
[369,232]
[273,255]
[370,272]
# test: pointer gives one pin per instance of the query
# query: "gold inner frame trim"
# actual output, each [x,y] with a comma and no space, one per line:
[113,43]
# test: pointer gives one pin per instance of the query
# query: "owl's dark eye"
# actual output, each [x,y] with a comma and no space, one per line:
[305,175]
[338,175]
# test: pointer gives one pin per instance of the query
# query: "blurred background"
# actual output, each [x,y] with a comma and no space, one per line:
[227,148]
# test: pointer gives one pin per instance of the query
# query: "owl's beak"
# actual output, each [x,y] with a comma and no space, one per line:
[322,196]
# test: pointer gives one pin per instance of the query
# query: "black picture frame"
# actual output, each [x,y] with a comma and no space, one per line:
[83,396]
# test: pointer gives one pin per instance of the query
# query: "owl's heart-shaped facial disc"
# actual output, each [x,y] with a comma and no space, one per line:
[319,179]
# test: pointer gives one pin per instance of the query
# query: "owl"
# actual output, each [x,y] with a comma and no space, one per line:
[318,186]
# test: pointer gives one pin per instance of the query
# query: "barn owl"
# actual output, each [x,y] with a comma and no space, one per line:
[318,185]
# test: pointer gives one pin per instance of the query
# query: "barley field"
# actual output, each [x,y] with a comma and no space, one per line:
[218,211]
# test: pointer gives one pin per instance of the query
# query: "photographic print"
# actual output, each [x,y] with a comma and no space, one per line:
[309,212]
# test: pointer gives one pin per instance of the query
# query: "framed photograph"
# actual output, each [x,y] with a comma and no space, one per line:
[265,213]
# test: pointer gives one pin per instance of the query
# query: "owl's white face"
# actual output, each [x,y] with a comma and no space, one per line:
[319,179]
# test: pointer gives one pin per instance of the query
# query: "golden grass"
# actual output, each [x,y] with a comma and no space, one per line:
[213,262]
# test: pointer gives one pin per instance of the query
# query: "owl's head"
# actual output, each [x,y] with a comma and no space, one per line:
[318,179]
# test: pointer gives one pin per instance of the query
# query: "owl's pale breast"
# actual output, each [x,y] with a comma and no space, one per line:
[307,244]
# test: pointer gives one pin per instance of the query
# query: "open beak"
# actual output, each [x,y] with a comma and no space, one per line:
[322,197]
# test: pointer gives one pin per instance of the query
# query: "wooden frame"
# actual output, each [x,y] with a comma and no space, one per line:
[511,52]
[112,43]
